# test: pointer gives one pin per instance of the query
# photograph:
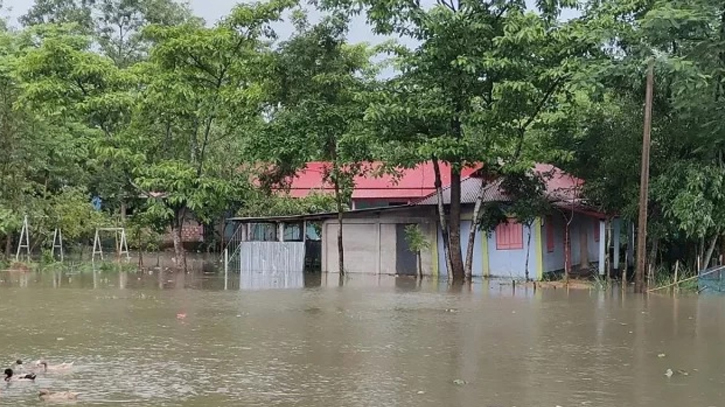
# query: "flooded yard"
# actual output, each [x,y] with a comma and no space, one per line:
[373,342]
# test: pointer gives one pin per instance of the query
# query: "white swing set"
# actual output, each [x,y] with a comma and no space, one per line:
[121,244]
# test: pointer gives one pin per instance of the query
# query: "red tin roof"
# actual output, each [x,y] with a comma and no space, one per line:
[410,184]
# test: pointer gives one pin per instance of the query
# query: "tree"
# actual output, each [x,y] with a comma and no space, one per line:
[38,159]
[116,26]
[202,86]
[687,135]
[417,243]
[318,107]
[61,12]
[481,78]
[119,28]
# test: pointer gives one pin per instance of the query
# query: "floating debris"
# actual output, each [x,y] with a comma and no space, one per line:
[661,355]
[669,373]
[459,382]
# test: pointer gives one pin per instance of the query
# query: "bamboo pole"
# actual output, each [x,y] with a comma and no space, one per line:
[699,266]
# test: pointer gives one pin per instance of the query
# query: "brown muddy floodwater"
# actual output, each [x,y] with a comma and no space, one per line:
[373,342]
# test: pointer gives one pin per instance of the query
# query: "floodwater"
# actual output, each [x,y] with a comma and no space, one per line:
[375,341]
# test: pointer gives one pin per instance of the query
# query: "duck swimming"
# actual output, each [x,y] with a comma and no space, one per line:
[9,376]
[41,364]
[47,395]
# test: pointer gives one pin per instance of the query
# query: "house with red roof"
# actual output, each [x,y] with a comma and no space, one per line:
[376,241]
[371,191]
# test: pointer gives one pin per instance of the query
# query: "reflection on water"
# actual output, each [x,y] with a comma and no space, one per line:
[374,341]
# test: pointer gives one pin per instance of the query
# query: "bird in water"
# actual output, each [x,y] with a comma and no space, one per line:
[10,376]
[47,395]
[41,364]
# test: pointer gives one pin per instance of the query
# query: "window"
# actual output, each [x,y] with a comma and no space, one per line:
[292,232]
[262,232]
[510,236]
[550,244]
[314,230]
[596,230]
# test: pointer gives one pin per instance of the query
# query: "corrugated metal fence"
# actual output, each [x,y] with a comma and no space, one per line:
[272,257]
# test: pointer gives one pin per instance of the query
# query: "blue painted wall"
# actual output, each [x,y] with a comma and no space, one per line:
[554,261]
[512,263]
[502,263]
[477,250]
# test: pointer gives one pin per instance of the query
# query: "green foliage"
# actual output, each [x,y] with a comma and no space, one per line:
[115,26]
[71,211]
[139,103]
[317,103]
[416,239]
[259,203]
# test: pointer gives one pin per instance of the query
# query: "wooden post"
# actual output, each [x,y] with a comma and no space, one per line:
[226,268]
[644,183]
[677,269]
[603,255]
[615,242]
[24,235]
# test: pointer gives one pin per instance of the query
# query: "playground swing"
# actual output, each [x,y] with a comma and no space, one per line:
[121,244]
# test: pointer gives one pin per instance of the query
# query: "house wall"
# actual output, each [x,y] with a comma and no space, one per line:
[490,262]
[554,261]
[478,258]
[191,232]
[512,263]
[370,244]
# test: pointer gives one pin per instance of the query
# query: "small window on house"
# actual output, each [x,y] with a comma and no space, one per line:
[292,232]
[550,244]
[314,231]
[510,236]
[596,230]
[263,232]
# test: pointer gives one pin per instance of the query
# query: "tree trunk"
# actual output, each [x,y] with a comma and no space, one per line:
[528,249]
[8,245]
[708,255]
[420,265]
[473,230]
[176,229]
[442,221]
[340,248]
[455,225]
[140,252]
[567,249]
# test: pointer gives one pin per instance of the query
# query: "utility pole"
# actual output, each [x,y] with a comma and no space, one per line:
[644,183]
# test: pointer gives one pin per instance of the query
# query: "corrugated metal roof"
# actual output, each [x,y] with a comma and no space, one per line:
[470,188]
[314,216]
[560,187]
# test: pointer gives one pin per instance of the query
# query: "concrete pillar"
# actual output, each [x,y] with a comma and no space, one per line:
[616,230]
[602,246]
